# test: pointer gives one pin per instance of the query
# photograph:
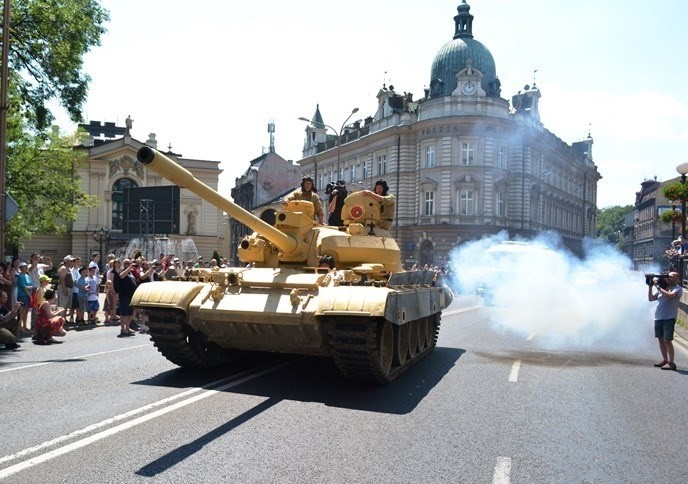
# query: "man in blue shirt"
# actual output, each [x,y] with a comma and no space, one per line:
[665,317]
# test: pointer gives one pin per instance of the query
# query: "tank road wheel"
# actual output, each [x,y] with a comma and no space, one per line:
[401,340]
[363,349]
[385,347]
[180,344]
[428,330]
[413,338]
[420,329]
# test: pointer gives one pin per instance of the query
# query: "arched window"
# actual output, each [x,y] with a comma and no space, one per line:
[118,201]
[427,253]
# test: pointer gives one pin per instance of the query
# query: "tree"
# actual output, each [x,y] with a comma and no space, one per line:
[610,223]
[48,40]
[41,177]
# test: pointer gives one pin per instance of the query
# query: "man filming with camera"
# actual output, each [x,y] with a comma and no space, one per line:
[668,295]
[336,193]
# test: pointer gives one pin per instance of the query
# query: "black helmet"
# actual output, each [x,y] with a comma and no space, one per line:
[384,186]
[310,179]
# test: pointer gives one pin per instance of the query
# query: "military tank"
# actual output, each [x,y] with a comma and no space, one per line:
[374,319]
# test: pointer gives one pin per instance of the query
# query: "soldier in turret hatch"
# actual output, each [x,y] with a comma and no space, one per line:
[387,203]
[308,193]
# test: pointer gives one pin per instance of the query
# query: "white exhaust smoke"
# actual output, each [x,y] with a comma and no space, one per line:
[539,288]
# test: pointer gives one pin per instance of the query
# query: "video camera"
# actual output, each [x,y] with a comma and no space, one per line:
[333,188]
[662,280]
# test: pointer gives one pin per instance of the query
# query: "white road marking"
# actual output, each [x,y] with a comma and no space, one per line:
[502,472]
[462,310]
[513,376]
[116,419]
[206,392]
[72,358]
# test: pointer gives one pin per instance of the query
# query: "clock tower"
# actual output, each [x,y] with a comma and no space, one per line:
[468,81]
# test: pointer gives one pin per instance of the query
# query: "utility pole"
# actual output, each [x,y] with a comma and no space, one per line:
[4,84]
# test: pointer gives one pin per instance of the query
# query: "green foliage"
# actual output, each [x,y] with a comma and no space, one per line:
[669,216]
[48,40]
[676,191]
[610,222]
[217,257]
[42,179]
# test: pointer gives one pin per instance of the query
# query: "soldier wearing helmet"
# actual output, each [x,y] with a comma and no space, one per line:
[308,193]
[386,201]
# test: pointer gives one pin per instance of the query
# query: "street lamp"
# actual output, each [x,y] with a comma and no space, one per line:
[338,133]
[682,170]
[102,236]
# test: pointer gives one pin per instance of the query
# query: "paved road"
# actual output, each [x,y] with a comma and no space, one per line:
[483,407]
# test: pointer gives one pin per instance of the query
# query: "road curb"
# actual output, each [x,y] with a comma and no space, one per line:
[680,340]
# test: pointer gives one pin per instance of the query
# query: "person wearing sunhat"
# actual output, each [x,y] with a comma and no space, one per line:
[308,193]
[44,281]
[49,322]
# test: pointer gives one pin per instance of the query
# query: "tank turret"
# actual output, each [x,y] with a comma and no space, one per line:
[310,290]
[295,238]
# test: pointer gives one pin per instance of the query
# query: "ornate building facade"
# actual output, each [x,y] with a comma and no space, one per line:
[645,236]
[110,169]
[462,161]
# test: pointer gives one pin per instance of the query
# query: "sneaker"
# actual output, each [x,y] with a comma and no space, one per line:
[125,335]
[134,325]
[12,346]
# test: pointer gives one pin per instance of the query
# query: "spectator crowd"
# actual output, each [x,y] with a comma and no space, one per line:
[34,304]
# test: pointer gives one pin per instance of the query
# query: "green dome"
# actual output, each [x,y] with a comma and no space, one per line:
[452,57]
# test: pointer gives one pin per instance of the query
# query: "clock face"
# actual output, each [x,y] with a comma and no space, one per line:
[469,88]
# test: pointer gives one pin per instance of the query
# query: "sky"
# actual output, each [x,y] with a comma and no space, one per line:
[208,76]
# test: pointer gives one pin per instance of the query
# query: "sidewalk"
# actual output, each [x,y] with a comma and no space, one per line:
[681,335]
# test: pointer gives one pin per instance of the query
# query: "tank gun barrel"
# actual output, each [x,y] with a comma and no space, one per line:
[183,178]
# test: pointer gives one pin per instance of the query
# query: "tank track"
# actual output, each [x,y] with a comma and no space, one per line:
[180,344]
[354,348]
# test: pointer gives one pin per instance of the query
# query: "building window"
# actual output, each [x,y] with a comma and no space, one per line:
[320,181]
[381,165]
[364,169]
[500,204]
[352,170]
[501,158]
[118,201]
[467,154]
[429,203]
[466,202]
[429,156]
